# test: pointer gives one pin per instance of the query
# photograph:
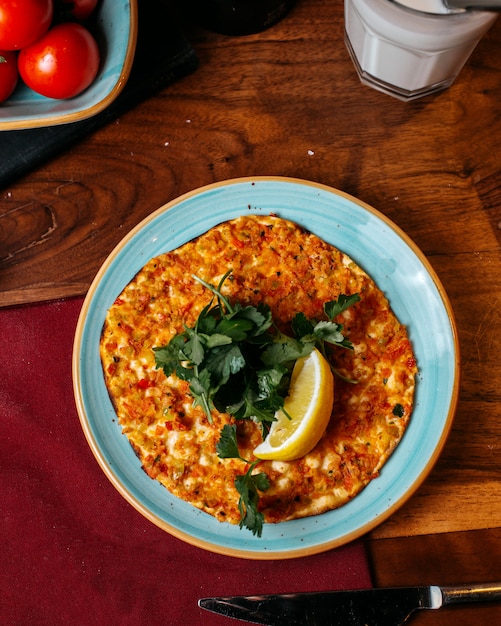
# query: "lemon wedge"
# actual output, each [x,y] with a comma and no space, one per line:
[309,405]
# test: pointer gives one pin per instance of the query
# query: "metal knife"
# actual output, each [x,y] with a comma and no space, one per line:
[365,607]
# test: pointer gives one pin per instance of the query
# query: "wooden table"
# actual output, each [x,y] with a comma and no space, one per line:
[288,102]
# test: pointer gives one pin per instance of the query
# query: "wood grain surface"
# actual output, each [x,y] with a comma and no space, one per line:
[453,558]
[288,102]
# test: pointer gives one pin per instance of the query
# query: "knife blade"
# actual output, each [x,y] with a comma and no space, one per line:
[364,607]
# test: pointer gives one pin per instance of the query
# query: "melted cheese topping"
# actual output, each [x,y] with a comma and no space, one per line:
[276,262]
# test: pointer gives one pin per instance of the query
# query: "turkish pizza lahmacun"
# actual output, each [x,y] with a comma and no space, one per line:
[276,263]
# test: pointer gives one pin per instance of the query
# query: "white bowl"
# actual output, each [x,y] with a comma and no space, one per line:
[115,28]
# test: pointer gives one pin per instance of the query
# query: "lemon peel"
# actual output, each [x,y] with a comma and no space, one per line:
[309,405]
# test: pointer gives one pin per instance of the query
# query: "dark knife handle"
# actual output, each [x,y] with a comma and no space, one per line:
[471,593]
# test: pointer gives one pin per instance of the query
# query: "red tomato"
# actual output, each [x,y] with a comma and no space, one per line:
[8,73]
[62,63]
[80,9]
[23,21]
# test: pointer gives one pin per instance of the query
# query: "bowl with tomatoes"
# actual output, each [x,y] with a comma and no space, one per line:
[63,61]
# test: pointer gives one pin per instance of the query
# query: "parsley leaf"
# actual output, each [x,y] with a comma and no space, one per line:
[398,410]
[301,325]
[333,308]
[227,447]
[286,349]
[224,361]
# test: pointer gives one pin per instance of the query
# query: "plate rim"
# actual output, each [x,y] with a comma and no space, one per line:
[202,543]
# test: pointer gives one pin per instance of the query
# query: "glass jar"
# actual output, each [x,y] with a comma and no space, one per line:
[410,53]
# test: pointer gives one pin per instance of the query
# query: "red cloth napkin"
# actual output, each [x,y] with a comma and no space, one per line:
[74,551]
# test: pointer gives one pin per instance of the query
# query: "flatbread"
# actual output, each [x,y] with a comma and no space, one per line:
[277,262]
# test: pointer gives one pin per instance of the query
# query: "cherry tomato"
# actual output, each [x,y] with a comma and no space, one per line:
[8,73]
[62,63]
[80,9]
[23,21]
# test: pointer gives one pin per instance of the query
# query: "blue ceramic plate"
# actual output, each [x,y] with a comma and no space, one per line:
[399,269]
[115,29]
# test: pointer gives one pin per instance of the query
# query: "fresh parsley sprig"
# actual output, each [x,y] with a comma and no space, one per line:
[248,485]
[326,332]
[227,358]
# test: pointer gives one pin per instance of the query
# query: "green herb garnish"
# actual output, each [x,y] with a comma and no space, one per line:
[237,362]
[398,410]
[248,485]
